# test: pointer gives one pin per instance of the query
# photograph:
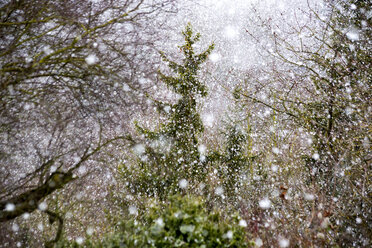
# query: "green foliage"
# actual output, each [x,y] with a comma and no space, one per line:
[185,222]
[235,146]
[171,153]
[234,160]
[186,82]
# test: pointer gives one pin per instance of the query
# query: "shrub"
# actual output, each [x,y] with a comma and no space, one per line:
[184,222]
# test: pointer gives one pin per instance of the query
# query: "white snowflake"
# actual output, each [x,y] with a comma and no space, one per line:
[316,156]
[183,183]
[202,149]
[26,216]
[283,242]
[258,242]
[309,197]
[40,226]
[208,120]
[80,240]
[47,50]
[265,203]
[9,207]
[276,150]
[242,223]
[90,231]
[215,57]
[82,169]
[15,227]
[132,210]
[139,149]
[229,234]
[159,222]
[219,190]
[352,35]
[231,32]
[43,206]
[91,59]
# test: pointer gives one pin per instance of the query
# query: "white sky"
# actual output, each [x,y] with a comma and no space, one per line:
[224,22]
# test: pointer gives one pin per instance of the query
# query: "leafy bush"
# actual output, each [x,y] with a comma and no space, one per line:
[185,222]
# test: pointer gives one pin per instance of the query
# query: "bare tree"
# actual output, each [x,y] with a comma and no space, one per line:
[318,78]
[71,74]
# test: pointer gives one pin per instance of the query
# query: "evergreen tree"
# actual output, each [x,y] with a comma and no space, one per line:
[235,159]
[171,153]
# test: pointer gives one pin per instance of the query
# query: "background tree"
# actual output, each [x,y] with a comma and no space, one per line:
[234,162]
[71,75]
[323,88]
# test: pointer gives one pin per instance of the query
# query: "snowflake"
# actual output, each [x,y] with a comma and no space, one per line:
[264,203]
[9,207]
[91,59]
[242,223]
[183,183]
[283,242]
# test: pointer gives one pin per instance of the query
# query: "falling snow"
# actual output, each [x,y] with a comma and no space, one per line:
[265,115]
[9,207]
[264,203]
[242,223]
[183,183]
[91,59]
[283,242]
[43,206]
[258,242]
[219,191]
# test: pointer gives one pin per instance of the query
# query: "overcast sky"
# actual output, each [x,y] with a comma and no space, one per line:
[224,22]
